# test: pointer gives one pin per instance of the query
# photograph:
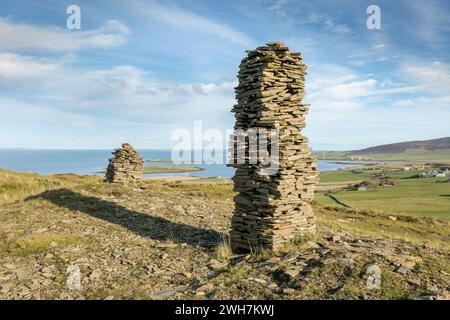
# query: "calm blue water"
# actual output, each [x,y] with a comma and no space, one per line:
[92,161]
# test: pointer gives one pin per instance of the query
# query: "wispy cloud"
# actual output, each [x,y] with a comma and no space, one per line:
[187,20]
[326,22]
[279,6]
[123,96]
[430,22]
[431,77]
[21,36]
[365,87]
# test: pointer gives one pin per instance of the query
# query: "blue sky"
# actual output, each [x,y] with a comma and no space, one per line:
[137,70]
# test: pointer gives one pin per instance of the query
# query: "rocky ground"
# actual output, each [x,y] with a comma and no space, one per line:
[71,237]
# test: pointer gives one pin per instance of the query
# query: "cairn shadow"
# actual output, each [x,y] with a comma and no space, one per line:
[139,223]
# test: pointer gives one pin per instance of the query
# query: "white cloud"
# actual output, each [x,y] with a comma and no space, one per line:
[434,76]
[325,20]
[336,88]
[189,21]
[122,94]
[342,28]
[350,90]
[379,46]
[278,6]
[14,67]
[20,36]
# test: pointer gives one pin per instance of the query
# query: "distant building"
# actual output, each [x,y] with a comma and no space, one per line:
[364,186]
[435,174]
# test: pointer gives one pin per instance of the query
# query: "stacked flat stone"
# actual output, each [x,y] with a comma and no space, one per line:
[126,165]
[272,209]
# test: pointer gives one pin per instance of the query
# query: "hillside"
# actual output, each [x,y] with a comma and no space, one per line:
[72,237]
[424,145]
[426,150]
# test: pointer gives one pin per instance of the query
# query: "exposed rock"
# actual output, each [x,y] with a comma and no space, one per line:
[292,272]
[346,262]
[95,275]
[206,288]
[290,256]
[258,281]
[74,277]
[406,262]
[217,265]
[335,238]
[169,292]
[312,244]
[289,291]
[402,270]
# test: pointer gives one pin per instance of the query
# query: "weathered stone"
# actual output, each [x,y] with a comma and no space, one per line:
[273,202]
[205,288]
[312,244]
[258,281]
[292,272]
[169,292]
[402,270]
[74,277]
[217,265]
[126,165]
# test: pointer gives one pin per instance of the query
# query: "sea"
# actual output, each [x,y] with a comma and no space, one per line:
[94,162]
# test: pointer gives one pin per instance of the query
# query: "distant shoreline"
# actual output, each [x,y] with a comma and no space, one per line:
[165,169]
[170,169]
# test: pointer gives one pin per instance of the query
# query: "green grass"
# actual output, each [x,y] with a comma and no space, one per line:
[409,155]
[427,197]
[345,175]
[15,186]
[41,243]
[213,189]
[420,230]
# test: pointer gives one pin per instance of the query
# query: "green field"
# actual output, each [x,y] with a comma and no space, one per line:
[428,197]
[408,155]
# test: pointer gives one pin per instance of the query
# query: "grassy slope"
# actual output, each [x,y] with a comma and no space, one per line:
[70,223]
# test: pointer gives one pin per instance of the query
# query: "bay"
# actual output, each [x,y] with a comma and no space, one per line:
[88,162]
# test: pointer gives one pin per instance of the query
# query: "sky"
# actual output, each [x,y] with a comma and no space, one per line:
[138,70]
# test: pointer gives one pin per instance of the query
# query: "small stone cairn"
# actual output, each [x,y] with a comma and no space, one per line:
[273,209]
[126,165]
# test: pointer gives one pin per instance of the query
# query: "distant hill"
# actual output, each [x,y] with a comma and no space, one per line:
[425,145]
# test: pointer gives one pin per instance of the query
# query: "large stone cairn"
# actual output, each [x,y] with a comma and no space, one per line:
[126,165]
[272,209]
